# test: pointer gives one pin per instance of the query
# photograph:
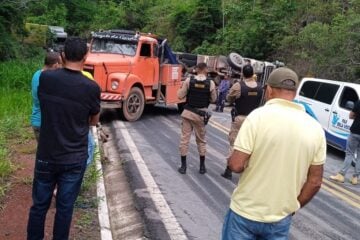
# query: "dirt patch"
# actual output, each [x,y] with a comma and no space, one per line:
[14,207]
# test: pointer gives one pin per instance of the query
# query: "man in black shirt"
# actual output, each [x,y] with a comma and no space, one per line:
[352,147]
[69,104]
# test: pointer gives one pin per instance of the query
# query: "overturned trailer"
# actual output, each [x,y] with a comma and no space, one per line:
[231,65]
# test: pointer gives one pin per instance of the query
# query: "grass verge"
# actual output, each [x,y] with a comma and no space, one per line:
[15,109]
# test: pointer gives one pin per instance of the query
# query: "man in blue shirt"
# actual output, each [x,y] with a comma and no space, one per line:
[52,61]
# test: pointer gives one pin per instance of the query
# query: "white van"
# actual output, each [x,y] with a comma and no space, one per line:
[330,102]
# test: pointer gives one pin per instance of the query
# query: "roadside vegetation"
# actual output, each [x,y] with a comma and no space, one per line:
[317,38]
[15,109]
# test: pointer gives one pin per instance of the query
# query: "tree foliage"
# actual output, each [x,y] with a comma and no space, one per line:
[319,38]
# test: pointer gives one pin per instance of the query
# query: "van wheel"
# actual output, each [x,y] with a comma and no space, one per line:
[134,104]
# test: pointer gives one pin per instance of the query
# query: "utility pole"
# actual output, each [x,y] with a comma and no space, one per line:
[223,17]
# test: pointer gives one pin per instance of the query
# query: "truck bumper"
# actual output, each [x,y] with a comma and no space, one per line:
[110,100]
[110,104]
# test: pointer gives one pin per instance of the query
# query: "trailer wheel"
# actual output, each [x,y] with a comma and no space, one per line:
[235,61]
[133,106]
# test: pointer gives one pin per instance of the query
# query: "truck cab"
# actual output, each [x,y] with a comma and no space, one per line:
[132,70]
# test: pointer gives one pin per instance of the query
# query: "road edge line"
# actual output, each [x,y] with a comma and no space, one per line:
[340,196]
[342,189]
[103,212]
[171,224]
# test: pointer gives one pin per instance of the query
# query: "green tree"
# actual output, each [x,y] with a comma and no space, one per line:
[12,15]
[48,14]
[108,10]
[325,48]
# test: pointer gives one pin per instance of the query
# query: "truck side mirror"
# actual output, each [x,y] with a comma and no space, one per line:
[349,105]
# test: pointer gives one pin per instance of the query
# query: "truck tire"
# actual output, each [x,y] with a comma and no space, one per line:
[235,61]
[133,106]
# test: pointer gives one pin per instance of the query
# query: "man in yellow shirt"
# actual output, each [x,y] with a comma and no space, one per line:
[280,151]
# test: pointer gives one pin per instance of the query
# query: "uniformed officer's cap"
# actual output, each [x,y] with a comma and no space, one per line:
[284,78]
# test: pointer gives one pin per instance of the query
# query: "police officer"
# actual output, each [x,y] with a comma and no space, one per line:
[247,96]
[199,92]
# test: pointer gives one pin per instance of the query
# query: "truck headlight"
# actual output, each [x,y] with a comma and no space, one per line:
[114,85]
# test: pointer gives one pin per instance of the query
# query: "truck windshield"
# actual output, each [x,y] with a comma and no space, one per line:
[113,46]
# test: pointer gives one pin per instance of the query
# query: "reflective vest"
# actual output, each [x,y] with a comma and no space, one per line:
[249,99]
[198,95]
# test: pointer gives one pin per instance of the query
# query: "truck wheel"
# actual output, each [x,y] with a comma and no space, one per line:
[133,106]
[235,61]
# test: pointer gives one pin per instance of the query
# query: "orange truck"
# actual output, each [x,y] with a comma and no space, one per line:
[133,69]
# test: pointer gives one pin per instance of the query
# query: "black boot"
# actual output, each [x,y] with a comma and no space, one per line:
[182,169]
[202,169]
[227,174]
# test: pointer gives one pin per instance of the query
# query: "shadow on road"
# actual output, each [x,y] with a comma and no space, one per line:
[336,152]
[108,115]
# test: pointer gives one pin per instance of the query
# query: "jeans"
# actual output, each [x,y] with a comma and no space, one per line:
[352,147]
[221,101]
[91,148]
[237,227]
[68,178]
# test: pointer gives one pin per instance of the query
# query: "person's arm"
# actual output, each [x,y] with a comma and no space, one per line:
[352,115]
[34,86]
[94,119]
[355,110]
[238,161]
[182,92]
[213,94]
[95,105]
[234,93]
[312,184]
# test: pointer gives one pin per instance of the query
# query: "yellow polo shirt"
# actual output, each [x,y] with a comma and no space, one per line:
[87,74]
[283,141]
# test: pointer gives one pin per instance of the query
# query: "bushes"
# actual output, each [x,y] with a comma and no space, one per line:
[16,74]
[15,107]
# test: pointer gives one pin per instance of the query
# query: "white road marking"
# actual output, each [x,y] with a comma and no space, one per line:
[104,221]
[171,224]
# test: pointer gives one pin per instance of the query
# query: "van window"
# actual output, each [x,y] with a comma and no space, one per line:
[326,92]
[348,94]
[309,89]
[145,50]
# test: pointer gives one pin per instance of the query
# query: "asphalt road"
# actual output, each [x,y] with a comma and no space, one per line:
[195,204]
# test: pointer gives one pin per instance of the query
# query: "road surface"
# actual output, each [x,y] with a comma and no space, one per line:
[193,206]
